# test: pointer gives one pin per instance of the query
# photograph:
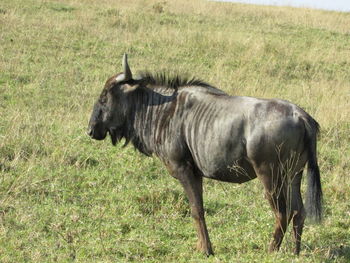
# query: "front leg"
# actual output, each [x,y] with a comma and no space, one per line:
[192,185]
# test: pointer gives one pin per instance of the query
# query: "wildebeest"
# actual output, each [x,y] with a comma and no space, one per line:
[199,131]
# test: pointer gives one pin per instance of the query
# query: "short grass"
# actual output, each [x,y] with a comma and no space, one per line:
[66,198]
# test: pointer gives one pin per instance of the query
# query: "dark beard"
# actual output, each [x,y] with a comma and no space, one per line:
[115,135]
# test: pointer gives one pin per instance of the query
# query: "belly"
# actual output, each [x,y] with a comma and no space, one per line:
[239,171]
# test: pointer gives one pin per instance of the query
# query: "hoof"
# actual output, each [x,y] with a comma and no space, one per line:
[296,252]
[273,248]
[207,250]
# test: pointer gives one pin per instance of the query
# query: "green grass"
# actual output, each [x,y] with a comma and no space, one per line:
[66,198]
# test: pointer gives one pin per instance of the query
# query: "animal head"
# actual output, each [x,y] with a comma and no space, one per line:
[111,108]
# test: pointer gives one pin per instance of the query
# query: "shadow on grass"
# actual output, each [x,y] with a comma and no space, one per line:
[336,253]
[169,199]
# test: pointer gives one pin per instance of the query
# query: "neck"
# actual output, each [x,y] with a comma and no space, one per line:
[148,118]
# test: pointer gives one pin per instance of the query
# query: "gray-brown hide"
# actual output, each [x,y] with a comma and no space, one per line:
[199,131]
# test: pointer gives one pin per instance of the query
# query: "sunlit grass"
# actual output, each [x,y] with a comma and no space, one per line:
[64,197]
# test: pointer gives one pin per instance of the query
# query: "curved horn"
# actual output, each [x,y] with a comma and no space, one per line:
[127,71]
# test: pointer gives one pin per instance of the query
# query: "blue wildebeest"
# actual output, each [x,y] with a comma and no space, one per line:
[199,131]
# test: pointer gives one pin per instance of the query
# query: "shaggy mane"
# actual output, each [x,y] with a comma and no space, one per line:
[175,82]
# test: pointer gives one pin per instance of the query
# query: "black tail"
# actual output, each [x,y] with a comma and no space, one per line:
[314,189]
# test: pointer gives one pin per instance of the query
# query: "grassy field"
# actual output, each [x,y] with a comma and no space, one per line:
[67,198]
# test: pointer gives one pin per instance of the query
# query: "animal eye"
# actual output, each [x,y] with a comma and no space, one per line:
[103,99]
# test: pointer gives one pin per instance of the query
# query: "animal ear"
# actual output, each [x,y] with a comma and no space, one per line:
[126,68]
[126,88]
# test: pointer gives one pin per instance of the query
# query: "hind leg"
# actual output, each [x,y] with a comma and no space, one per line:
[276,194]
[298,212]
[278,205]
